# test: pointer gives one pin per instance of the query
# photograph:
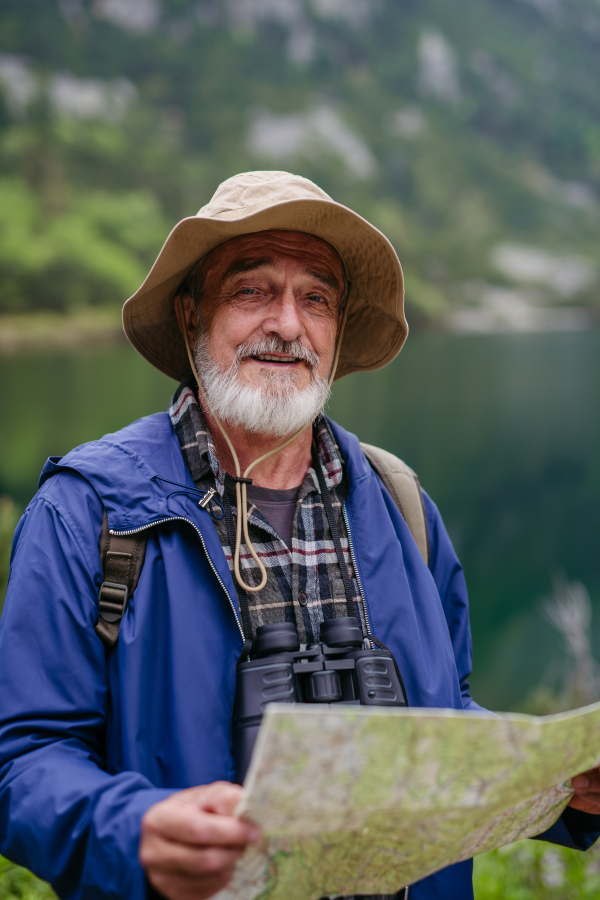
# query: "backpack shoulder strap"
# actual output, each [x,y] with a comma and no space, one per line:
[122,559]
[403,484]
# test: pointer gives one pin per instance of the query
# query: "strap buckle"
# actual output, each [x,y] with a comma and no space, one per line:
[113,607]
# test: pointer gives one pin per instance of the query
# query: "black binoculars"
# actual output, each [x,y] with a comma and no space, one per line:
[339,669]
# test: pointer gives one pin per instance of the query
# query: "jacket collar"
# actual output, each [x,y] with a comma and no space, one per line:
[356,463]
[134,469]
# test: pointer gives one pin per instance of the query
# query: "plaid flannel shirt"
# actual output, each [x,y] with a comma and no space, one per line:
[304,582]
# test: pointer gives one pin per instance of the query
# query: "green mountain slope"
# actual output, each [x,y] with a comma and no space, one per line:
[470,133]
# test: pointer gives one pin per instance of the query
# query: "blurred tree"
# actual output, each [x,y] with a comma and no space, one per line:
[453,130]
[8,521]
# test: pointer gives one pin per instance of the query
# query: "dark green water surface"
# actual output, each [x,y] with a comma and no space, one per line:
[504,432]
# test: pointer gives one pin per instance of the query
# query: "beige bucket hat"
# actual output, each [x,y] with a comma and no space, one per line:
[258,201]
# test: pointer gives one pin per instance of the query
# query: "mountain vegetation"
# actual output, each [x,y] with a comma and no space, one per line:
[469,134]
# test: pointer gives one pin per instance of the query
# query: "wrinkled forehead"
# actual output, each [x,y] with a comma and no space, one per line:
[277,245]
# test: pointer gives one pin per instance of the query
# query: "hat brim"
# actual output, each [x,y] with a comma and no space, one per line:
[375,329]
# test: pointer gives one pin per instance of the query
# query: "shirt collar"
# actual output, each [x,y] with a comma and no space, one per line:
[198,448]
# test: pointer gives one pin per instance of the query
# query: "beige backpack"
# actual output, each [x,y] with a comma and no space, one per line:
[403,484]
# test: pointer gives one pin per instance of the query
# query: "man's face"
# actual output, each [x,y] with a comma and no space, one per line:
[273,284]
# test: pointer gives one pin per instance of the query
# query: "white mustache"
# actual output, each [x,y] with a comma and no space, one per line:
[275,406]
[275,344]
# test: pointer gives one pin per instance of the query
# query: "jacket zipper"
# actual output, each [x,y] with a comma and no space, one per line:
[227,594]
[210,562]
[357,573]
[220,580]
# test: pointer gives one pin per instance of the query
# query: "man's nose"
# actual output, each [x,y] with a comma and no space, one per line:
[284,317]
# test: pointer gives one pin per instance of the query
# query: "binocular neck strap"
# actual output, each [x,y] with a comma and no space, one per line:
[335,534]
[242,595]
[333,527]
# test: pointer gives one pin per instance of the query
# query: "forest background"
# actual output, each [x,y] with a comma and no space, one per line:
[469,133]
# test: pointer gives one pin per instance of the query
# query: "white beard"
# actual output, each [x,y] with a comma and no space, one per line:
[276,406]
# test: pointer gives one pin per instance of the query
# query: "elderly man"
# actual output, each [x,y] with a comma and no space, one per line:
[116,765]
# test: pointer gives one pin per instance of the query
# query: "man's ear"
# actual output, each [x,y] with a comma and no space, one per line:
[189,311]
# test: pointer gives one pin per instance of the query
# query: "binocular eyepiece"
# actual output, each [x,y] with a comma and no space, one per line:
[338,669]
[282,637]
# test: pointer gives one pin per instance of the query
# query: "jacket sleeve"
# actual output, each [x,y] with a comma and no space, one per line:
[62,815]
[450,581]
[573,829]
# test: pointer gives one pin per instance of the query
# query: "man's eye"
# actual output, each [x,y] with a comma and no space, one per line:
[316,298]
[247,291]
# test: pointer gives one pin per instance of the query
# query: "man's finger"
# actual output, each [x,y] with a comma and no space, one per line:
[587,782]
[221,797]
[188,825]
[188,887]
[586,803]
[183,859]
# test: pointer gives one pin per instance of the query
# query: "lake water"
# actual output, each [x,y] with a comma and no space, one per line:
[504,432]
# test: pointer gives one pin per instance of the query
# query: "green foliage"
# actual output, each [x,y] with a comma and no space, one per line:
[533,870]
[8,521]
[98,247]
[513,155]
[19,884]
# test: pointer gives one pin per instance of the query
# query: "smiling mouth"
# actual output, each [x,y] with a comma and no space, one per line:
[282,360]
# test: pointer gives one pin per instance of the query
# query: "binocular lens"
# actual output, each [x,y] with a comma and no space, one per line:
[280,637]
[342,632]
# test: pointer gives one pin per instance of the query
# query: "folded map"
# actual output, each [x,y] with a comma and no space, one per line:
[357,800]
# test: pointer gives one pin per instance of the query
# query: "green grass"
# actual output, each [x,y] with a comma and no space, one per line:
[527,870]
[19,884]
[534,870]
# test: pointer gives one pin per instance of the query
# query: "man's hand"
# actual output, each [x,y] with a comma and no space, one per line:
[191,841]
[587,792]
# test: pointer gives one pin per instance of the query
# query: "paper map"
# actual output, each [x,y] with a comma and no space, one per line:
[356,800]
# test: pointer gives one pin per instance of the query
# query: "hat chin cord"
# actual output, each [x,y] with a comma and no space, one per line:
[240,483]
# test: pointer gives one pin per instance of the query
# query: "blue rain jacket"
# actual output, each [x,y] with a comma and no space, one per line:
[89,741]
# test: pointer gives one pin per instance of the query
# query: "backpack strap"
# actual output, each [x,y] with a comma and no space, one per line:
[403,484]
[122,559]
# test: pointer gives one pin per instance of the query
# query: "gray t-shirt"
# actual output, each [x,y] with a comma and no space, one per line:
[278,507]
